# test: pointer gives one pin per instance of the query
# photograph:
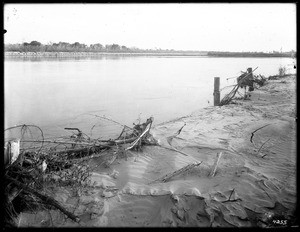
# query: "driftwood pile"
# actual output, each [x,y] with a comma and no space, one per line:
[246,79]
[38,163]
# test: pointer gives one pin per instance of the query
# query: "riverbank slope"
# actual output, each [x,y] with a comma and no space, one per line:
[254,182]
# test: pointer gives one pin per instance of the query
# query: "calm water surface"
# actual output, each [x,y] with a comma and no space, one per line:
[55,93]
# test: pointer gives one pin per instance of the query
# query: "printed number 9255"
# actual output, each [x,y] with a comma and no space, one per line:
[280,222]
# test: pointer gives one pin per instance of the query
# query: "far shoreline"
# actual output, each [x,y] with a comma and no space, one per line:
[95,54]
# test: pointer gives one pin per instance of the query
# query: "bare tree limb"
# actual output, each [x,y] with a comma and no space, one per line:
[47,199]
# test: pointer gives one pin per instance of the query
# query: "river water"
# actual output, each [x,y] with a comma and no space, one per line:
[54,93]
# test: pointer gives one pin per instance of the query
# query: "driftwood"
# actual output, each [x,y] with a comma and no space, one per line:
[58,142]
[176,173]
[123,141]
[252,134]
[261,80]
[262,147]
[85,147]
[87,150]
[227,99]
[233,200]
[170,138]
[62,161]
[119,140]
[146,130]
[215,166]
[97,155]
[47,199]
[174,149]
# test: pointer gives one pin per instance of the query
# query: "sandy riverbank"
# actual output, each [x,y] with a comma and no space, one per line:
[255,176]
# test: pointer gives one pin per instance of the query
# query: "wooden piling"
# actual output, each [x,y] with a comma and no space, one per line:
[250,73]
[217,91]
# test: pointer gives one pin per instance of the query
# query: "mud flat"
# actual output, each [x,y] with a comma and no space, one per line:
[250,145]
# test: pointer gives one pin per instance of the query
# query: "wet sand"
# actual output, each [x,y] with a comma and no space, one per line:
[255,177]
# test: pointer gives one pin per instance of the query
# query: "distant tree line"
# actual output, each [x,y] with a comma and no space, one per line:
[253,54]
[35,46]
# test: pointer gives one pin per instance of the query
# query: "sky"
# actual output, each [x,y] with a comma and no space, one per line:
[204,27]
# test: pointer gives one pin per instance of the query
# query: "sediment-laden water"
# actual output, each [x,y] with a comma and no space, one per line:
[58,92]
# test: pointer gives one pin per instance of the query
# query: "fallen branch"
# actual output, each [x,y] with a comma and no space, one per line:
[262,146]
[176,173]
[213,171]
[103,117]
[263,155]
[83,149]
[179,131]
[123,141]
[89,157]
[231,194]
[138,139]
[170,138]
[174,149]
[229,200]
[252,134]
[47,199]
[146,130]
[229,197]
[57,142]
[68,128]
[121,133]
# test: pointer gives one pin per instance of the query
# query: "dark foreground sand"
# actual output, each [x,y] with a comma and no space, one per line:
[254,184]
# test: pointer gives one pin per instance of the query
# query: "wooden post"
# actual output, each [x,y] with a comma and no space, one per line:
[217,91]
[250,71]
[250,78]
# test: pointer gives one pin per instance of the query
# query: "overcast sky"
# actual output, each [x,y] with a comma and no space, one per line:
[203,27]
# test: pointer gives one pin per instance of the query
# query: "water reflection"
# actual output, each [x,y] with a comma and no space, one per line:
[53,58]
[78,57]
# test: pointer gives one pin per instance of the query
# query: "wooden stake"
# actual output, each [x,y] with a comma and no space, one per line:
[217,91]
